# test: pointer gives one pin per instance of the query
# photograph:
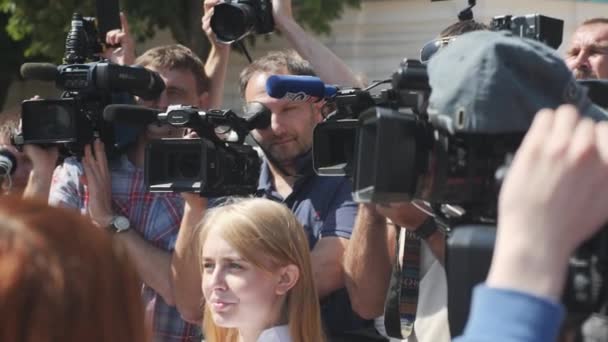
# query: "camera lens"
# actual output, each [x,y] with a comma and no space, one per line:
[231,22]
[185,165]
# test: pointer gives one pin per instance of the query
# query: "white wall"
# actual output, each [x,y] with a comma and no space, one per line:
[374,39]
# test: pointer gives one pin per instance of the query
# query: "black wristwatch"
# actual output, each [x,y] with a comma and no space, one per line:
[119,224]
[427,228]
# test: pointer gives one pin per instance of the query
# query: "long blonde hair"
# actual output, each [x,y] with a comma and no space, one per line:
[257,227]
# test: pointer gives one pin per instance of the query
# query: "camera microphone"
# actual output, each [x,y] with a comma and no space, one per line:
[130,114]
[299,88]
[39,72]
[8,163]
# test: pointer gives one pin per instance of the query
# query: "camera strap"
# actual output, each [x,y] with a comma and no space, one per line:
[402,299]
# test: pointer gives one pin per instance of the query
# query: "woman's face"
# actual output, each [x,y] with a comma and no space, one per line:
[238,293]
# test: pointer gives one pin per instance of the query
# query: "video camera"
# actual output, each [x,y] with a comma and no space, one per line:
[211,165]
[89,84]
[533,26]
[233,20]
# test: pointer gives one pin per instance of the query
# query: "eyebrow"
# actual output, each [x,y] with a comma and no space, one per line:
[206,258]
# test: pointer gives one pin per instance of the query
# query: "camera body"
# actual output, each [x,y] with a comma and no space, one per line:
[209,165]
[233,20]
[533,26]
[89,84]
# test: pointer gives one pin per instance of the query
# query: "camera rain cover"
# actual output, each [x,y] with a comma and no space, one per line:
[494,82]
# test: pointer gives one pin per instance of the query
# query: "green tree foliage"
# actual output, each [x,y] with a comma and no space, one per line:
[39,27]
[46,22]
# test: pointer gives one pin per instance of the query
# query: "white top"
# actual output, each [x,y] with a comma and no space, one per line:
[279,333]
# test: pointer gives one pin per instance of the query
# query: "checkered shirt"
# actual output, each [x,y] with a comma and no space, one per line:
[156,217]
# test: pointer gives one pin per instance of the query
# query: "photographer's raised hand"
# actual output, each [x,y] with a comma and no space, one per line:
[124,54]
[99,183]
[208,10]
[216,65]
[555,196]
[329,67]
[282,12]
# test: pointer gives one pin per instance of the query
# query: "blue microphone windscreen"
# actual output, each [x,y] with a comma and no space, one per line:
[278,86]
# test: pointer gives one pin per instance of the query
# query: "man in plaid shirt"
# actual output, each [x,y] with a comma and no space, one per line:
[113,194]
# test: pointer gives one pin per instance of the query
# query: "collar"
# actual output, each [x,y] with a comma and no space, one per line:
[303,167]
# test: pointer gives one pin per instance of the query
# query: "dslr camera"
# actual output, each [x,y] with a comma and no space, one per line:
[89,84]
[233,20]
[218,163]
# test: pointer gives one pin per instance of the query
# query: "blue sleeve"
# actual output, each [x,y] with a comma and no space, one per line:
[340,219]
[501,315]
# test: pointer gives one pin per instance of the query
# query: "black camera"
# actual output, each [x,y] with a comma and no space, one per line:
[533,26]
[75,119]
[216,164]
[233,20]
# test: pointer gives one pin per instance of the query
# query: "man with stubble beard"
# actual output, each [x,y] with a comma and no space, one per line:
[587,54]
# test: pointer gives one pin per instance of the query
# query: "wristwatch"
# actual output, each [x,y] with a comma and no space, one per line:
[119,224]
[427,228]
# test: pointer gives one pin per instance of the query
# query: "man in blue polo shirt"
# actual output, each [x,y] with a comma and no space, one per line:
[323,205]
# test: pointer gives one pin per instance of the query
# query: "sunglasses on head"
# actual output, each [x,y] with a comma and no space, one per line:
[430,48]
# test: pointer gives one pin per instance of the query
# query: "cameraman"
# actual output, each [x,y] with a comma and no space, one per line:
[323,205]
[373,248]
[113,194]
[552,200]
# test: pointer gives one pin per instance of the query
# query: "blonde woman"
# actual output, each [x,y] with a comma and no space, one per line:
[257,278]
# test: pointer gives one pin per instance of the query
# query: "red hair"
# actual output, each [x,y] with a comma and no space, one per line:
[62,279]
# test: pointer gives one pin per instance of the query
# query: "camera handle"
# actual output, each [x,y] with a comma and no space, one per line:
[467,13]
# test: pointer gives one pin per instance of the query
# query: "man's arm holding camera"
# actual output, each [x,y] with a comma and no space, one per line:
[373,250]
[329,67]
[216,65]
[153,264]
[40,177]
[185,263]
[554,198]
[367,262]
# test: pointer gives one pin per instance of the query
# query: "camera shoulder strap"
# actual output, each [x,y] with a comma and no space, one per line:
[402,299]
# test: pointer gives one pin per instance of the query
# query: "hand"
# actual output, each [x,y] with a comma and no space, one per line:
[99,182]
[208,10]
[554,190]
[195,201]
[43,160]
[403,214]
[554,197]
[125,54]
[282,12]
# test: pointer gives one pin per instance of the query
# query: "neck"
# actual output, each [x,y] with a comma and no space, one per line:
[277,316]
[283,183]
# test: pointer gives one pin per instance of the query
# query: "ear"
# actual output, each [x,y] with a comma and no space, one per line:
[288,277]
[204,100]
[317,109]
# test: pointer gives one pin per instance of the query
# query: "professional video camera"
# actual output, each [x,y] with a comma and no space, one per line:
[210,165]
[89,83]
[233,20]
[533,26]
